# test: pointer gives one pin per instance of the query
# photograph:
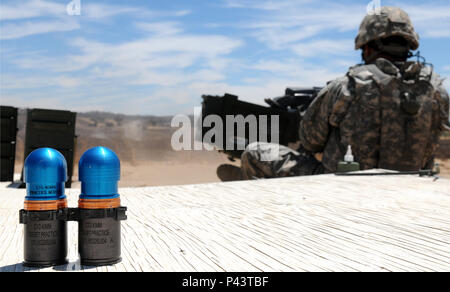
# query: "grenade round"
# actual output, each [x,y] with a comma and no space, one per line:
[45,209]
[99,207]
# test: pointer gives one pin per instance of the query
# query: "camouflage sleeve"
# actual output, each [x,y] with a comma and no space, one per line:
[440,119]
[318,120]
[443,99]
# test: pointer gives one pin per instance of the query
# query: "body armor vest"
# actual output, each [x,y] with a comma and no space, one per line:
[389,116]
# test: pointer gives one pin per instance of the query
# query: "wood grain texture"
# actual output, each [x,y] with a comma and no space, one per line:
[316,223]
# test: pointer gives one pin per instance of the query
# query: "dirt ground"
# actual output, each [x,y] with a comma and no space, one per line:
[174,173]
[169,173]
[146,155]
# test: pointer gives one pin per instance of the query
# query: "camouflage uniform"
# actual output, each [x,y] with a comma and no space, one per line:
[391,114]
[267,160]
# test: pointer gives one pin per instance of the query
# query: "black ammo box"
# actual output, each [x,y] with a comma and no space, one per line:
[54,129]
[8,135]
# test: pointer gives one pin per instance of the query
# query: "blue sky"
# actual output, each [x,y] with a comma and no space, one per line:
[159,57]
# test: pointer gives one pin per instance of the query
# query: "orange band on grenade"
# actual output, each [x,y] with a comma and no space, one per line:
[45,205]
[99,204]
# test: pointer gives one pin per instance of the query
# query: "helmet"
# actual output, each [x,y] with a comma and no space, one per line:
[391,21]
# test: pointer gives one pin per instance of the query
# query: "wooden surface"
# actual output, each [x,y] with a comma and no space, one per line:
[316,223]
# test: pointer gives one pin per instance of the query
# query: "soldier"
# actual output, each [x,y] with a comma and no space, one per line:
[390,110]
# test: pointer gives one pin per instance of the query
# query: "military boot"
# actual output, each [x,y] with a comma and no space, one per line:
[228,172]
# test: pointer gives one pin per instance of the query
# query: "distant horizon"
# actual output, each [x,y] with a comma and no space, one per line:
[91,111]
[156,58]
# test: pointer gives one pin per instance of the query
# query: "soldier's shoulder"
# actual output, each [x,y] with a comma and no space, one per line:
[435,79]
[361,70]
[336,85]
[364,73]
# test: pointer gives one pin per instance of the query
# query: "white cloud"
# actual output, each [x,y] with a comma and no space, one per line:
[95,11]
[175,77]
[278,37]
[162,67]
[9,81]
[285,23]
[138,57]
[160,28]
[437,33]
[276,76]
[65,81]
[17,10]
[19,100]
[24,18]
[170,62]
[299,73]
[182,12]
[431,21]
[323,47]
[265,5]
[13,31]
[14,10]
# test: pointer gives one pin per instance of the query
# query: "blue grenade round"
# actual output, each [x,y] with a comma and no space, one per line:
[45,173]
[99,173]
